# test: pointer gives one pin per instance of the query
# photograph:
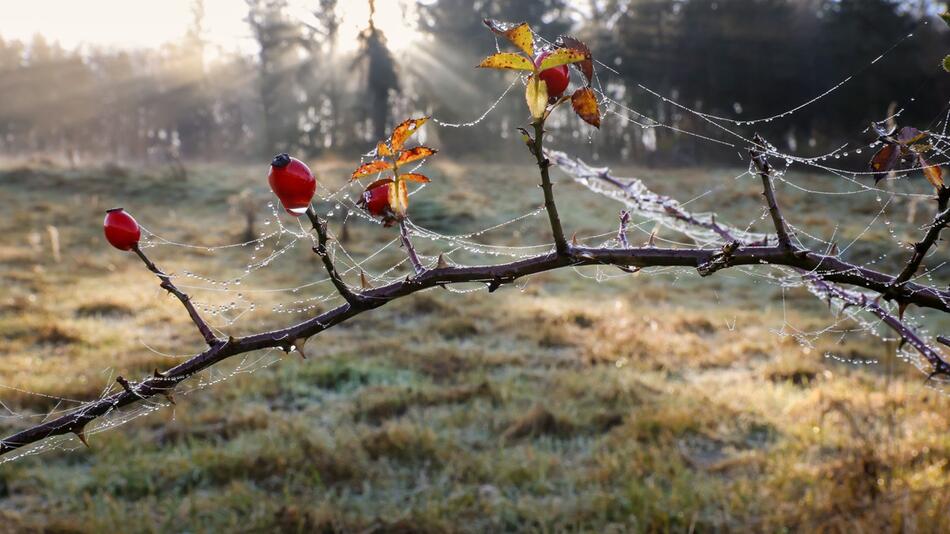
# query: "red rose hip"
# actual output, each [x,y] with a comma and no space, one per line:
[121,230]
[556,78]
[293,183]
[375,201]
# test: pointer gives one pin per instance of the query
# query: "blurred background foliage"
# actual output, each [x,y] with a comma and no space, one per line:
[300,86]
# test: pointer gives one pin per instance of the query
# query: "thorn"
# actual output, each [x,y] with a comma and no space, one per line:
[834,249]
[80,432]
[299,345]
[494,285]
[158,374]
[441,263]
[170,398]
[901,307]
[574,239]
[652,242]
[902,343]
[125,384]
[364,283]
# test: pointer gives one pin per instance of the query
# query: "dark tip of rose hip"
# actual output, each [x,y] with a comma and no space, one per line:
[280,161]
[114,209]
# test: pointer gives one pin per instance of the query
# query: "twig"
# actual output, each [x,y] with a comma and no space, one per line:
[622,231]
[169,286]
[410,250]
[321,250]
[765,171]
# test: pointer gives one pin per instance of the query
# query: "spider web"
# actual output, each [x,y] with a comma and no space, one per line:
[230,301]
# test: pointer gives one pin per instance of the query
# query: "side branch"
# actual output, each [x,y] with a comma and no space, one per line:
[169,286]
[765,171]
[321,250]
[933,234]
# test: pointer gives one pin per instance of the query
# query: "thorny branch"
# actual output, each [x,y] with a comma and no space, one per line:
[321,250]
[169,286]
[816,267]
[933,234]
[536,145]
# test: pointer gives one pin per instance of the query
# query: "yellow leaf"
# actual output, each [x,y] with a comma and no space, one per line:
[562,56]
[933,173]
[399,198]
[507,60]
[520,35]
[585,105]
[382,149]
[536,94]
[414,177]
[372,167]
[414,154]
[404,131]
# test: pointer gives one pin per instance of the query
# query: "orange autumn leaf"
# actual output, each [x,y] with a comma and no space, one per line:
[933,173]
[585,105]
[414,154]
[414,177]
[382,149]
[372,167]
[506,60]
[403,132]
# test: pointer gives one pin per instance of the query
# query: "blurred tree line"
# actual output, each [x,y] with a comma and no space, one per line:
[743,59]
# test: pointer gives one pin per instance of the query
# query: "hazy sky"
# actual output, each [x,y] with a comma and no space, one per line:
[148,23]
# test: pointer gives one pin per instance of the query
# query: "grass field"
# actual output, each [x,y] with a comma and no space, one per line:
[650,402]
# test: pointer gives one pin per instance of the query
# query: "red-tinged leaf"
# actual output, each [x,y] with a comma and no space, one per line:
[910,135]
[378,183]
[933,173]
[536,95]
[585,105]
[507,60]
[373,167]
[414,177]
[520,35]
[414,154]
[561,56]
[587,65]
[404,131]
[399,198]
[884,161]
